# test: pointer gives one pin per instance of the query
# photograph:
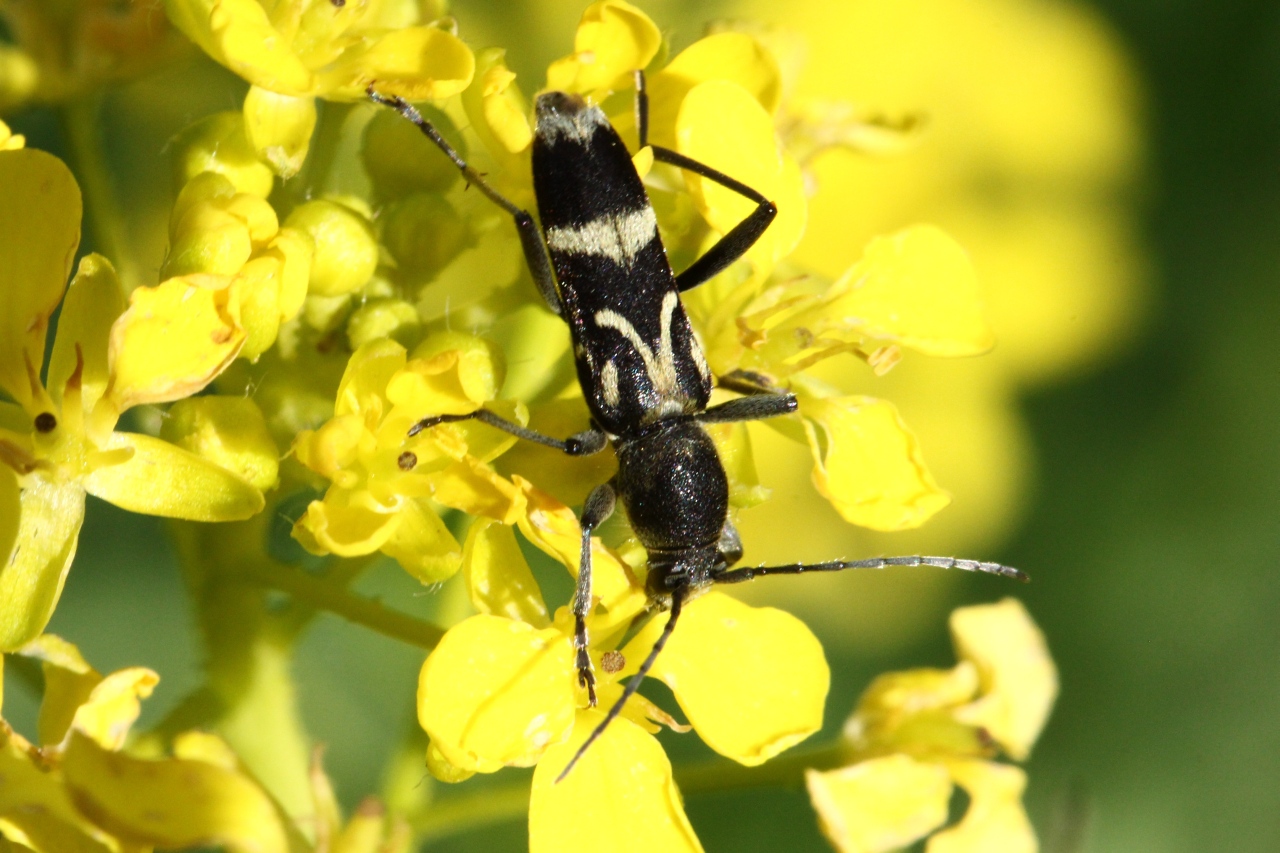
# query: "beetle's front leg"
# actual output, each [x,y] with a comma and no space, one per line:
[583,443]
[599,506]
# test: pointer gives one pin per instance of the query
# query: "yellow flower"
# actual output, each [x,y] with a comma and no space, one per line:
[81,787]
[292,53]
[500,689]
[916,733]
[383,482]
[57,444]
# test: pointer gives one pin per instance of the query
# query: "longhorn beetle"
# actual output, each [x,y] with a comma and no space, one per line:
[642,370]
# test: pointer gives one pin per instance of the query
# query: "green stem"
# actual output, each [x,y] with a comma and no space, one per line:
[106,221]
[322,152]
[496,803]
[324,595]
[456,815]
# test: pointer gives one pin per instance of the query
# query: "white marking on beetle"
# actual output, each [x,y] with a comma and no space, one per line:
[660,366]
[699,358]
[618,237]
[609,383]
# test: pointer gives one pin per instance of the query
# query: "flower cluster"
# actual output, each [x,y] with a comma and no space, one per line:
[916,733]
[76,788]
[323,261]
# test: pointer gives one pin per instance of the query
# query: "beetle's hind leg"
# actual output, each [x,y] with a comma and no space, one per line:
[535,250]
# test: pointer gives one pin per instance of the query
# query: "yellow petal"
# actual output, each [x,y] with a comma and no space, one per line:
[1019,682]
[917,287]
[68,681]
[416,63]
[161,479]
[872,470]
[499,580]
[480,370]
[39,233]
[10,508]
[35,568]
[173,340]
[496,100]
[228,431]
[621,790]
[94,300]
[476,489]
[346,523]
[113,706]
[723,125]
[421,543]
[443,769]
[497,692]
[613,40]
[171,803]
[238,34]
[751,680]
[279,128]
[996,819]
[879,805]
[730,56]
[364,382]
[295,250]
[258,285]
[552,527]
[35,803]
[914,711]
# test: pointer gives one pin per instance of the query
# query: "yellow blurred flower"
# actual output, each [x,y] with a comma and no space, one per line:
[292,53]
[1013,125]
[80,786]
[57,440]
[915,733]
[65,50]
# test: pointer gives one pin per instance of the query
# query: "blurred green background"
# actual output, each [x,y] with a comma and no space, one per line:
[1151,533]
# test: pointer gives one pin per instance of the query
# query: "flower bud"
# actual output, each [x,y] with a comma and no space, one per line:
[346,253]
[229,431]
[218,144]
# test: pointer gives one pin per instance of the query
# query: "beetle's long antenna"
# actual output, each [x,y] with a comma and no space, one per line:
[746,574]
[677,599]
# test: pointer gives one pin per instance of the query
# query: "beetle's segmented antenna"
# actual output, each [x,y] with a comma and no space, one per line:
[677,599]
[746,574]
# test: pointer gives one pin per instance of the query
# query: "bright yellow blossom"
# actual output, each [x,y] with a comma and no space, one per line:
[292,53]
[168,342]
[916,733]
[383,482]
[500,689]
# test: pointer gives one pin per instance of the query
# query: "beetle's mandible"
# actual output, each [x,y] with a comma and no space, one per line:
[599,263]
